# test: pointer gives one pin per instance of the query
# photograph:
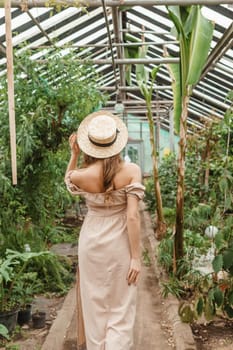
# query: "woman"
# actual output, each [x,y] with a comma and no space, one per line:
[109,242]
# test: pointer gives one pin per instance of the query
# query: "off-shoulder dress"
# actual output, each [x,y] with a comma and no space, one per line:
[108,303]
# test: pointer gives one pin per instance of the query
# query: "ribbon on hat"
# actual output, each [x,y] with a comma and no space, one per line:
[105,144]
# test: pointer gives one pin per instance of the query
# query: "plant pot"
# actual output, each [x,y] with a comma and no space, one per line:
[24,315]
[38,319]
[9,319]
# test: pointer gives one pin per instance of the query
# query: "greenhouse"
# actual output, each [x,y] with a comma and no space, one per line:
[163,71]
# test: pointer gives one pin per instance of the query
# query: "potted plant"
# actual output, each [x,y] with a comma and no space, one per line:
[25,289]
[12,280]
[8,304]
[38,319]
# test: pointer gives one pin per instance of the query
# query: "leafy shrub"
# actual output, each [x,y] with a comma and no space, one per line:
[52,99]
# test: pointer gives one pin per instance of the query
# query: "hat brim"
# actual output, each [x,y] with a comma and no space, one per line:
[97,151]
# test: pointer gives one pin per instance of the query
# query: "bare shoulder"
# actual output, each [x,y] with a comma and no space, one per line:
[129,173]
[132,168]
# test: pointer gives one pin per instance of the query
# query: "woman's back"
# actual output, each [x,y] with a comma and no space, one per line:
[90,179]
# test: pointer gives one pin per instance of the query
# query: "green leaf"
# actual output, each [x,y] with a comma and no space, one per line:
[186,313]
[217,263]
[231,271]
[128,68]
[218,296]
[201,37]
[130,52]
[175,74]
[154,72]
[223,184]
[230,298]
[200,306]
[228,258]
[144,90]
[209,310]
[174,14]
[211,295]
[219,240]
[4,332]
[142,75]
[229,310]
[230,95]
[191,19]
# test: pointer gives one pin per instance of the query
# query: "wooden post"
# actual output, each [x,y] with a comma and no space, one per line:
[10,81]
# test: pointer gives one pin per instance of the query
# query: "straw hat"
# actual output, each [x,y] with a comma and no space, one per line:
[102,134]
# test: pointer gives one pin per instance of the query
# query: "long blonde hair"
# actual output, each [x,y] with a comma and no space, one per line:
[110,166]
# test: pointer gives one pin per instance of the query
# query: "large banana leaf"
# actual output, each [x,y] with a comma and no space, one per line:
[199,46]
[142,75]
[130,52]
[174,71]
[176,13]
[194,33]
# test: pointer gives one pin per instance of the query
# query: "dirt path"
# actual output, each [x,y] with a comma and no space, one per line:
[152,330]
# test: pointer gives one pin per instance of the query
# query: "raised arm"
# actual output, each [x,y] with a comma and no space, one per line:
[75,151]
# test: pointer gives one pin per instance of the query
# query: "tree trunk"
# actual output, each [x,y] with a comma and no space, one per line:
[160,225]
[179,230]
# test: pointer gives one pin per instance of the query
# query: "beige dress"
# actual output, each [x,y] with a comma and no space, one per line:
[108,302]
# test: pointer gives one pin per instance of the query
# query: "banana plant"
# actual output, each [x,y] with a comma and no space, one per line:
[194,34]
[146,85]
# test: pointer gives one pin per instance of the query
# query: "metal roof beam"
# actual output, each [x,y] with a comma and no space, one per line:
[142,102]
[134,88]
[119,49]
[125,61]
[110,42]
[114,3]
[34,20]
[120,44]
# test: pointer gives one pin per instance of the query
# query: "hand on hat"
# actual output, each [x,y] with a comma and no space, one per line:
[74,147]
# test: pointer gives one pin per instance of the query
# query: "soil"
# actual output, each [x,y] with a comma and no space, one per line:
[216,335]
[28,338]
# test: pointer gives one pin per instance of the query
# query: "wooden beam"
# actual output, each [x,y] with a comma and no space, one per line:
[113,3]
[11,98]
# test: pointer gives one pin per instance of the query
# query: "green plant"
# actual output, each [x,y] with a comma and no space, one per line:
[26,287]
[12,347]
[54,272]
[52,98]
[146,82]
[4,332]
[167,178]
[165,252]
[15,274]
[173,286]
[198,217]
[146,257]
[194,33]
[208,197]
[146,86]
[208,294]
